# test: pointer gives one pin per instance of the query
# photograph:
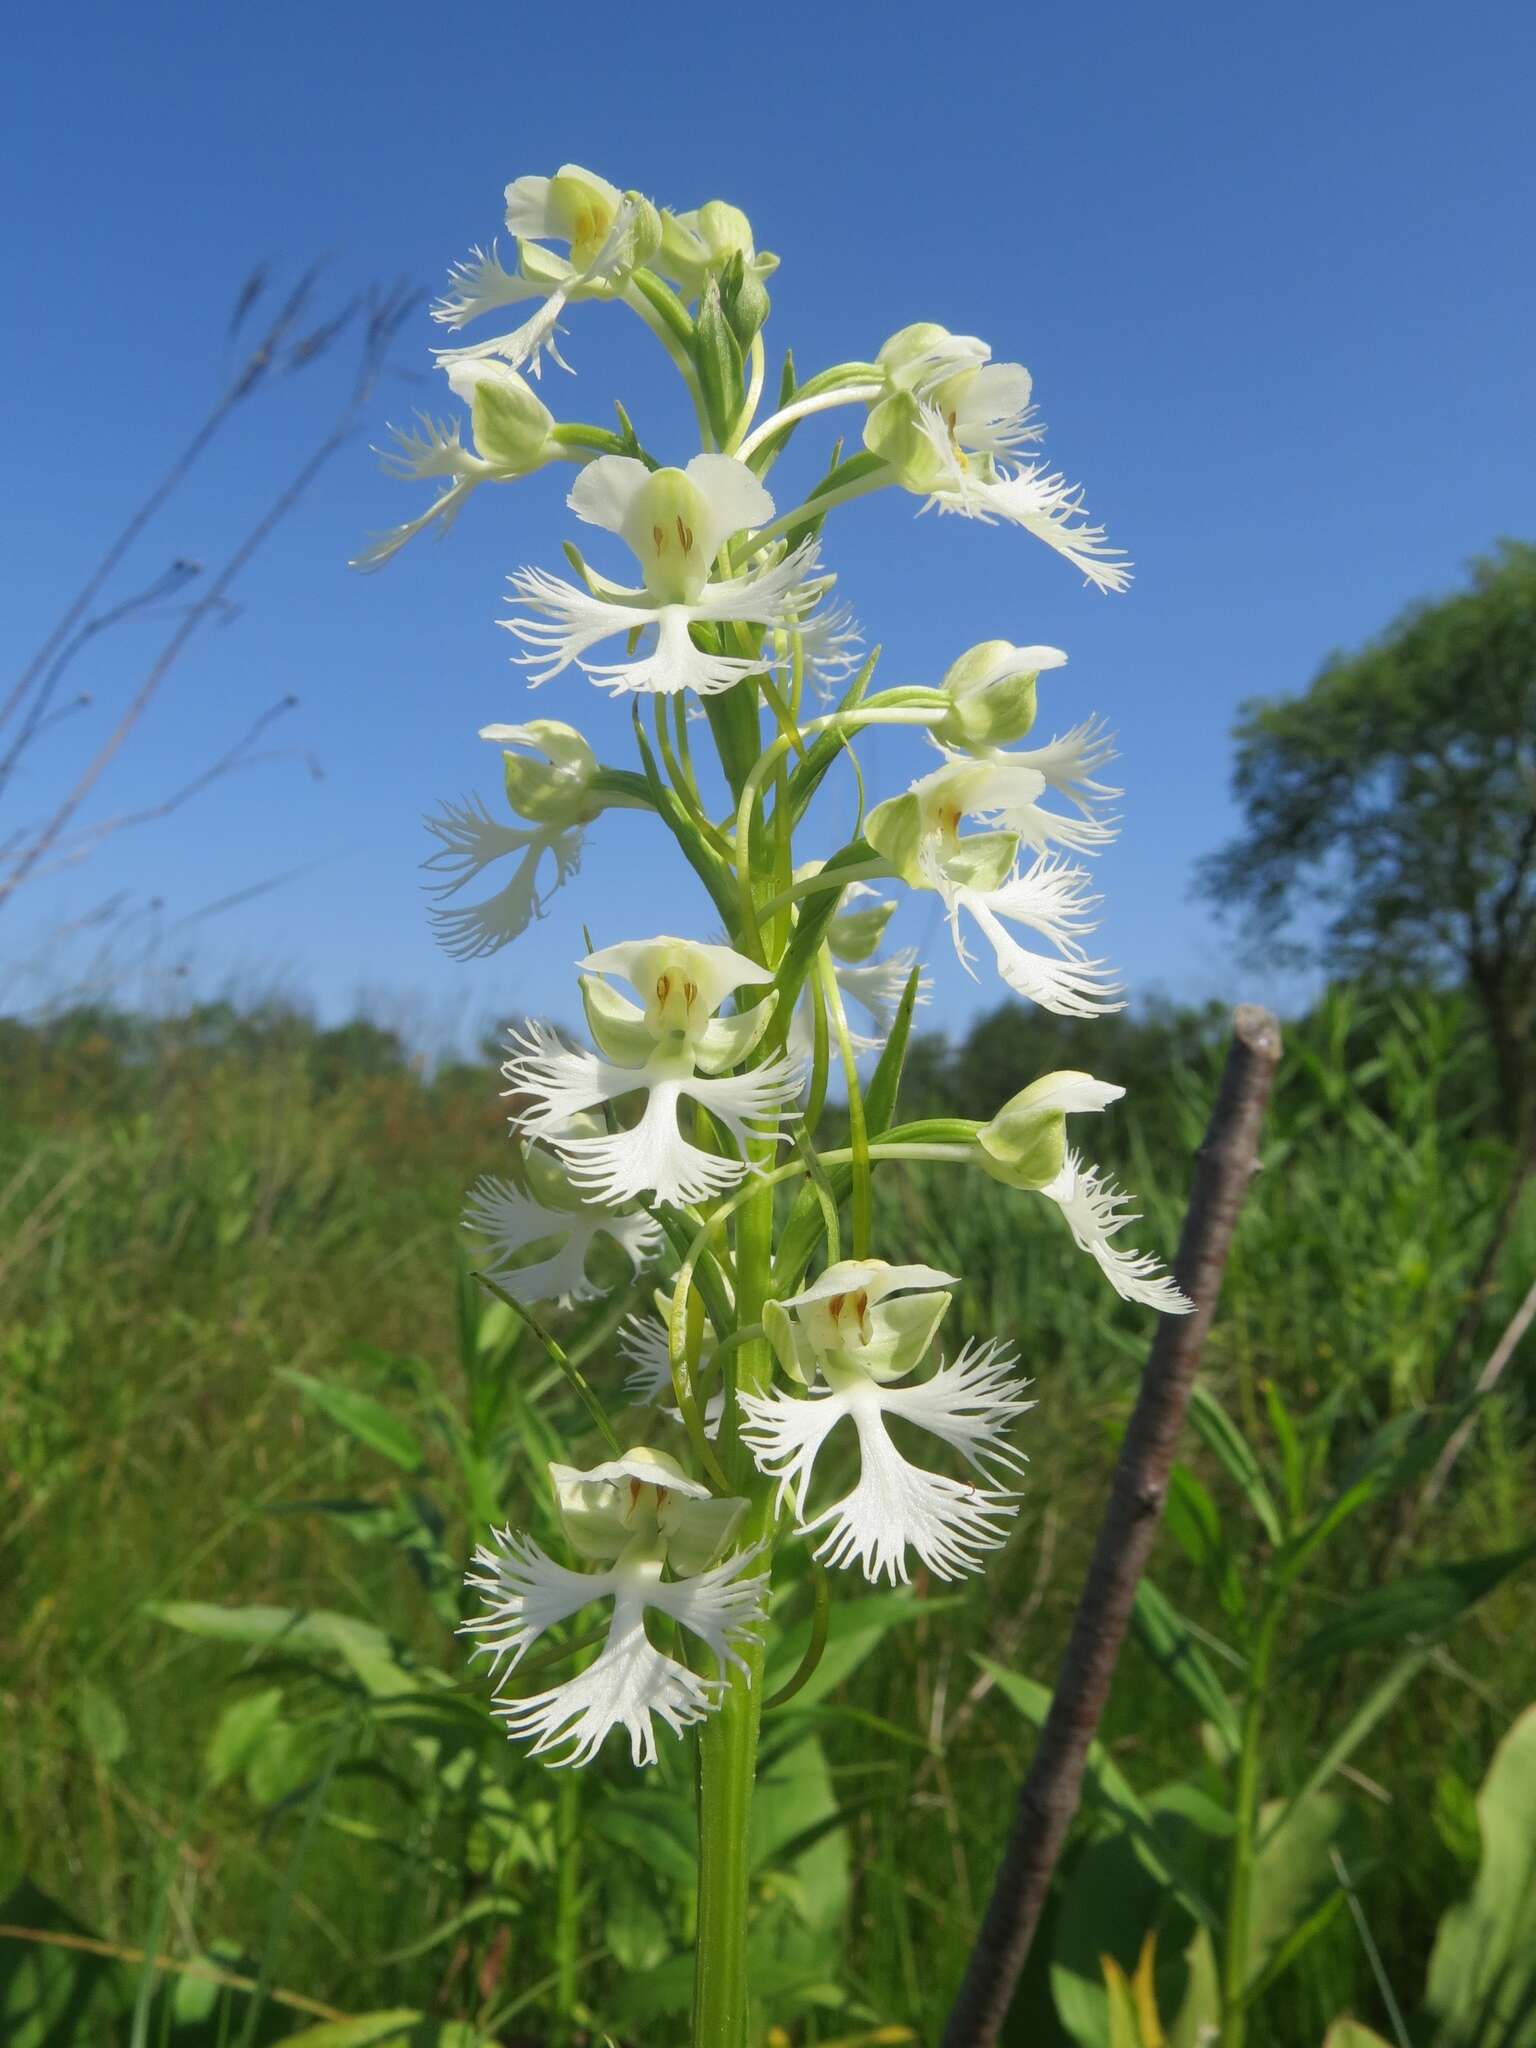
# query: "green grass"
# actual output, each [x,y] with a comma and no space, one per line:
[186,1211]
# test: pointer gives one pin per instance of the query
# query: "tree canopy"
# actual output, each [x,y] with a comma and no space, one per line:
[1391,808]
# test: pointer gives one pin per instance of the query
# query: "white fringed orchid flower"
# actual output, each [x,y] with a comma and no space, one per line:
[638,1516]
[676,521]
[948,426]
[511,438]
[919,834]
[1025,1146]
[553,790]
[861,1327]
[672,1049]
[610,233]
[547,1215]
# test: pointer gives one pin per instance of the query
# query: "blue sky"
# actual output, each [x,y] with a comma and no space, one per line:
[1271,270]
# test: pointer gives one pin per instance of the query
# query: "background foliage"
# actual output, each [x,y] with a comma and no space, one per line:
[234,1380]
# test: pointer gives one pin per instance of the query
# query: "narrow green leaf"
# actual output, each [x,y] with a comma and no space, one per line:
[361,1416]
[239,1729]
[717,357]
[1226,1443]
[1422,1604]
[1166,1637]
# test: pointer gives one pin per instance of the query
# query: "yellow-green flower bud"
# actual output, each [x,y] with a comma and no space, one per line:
[992,691]
[554,786]
[1025,1144]
[510,422]
[695,245]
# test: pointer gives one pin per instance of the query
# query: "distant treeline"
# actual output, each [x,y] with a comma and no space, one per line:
[101,1056]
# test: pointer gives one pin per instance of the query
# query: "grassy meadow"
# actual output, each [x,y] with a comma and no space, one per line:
[242,1368]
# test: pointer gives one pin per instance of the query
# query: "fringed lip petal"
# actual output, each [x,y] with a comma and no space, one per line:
[630,1684]
[510,1222]
[1096,1213]
[897,1506]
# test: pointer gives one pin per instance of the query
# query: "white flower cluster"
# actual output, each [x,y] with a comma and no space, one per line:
[674,1117]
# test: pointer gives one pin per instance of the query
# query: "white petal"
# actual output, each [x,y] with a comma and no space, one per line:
[469,839]
[477,286]
[715,969]
[605,492]
[526,1593]
[719,1606]
[872,1277]
[643,1341]
[651,1158]
[473,931]
[441,513]
[528,209]
[760,1094]
[970,1404]
[994,416]
[1073,1093]
[525,344]
[1066,762]
[1071,988]
[1052,509]
[1095,1213]
[567,620]
[511,1221]
[674,663]
[896,1506]
[560,1081]
[736,500]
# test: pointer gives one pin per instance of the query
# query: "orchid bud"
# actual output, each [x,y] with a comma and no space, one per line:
[1025,1144]
[555,787]
[510,422]
[992,691]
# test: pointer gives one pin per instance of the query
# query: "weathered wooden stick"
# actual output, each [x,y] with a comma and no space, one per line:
[1048,1798]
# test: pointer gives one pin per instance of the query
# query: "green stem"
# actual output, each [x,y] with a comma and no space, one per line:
[1234,1957]
[567,1902]
[727,1769]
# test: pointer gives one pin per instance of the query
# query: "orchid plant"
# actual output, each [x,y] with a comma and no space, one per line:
[686,1135]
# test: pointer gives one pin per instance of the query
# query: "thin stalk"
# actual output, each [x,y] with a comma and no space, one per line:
[1234,1954]
[813,508]
[642,307]
[802,408]
[579,1383]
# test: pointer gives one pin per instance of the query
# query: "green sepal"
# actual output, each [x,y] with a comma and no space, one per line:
[717,357]
[617,1025]
[853,935]
[895,830]
[726,1041]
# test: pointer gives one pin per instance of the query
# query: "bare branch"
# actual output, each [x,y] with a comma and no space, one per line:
[1048,1799]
